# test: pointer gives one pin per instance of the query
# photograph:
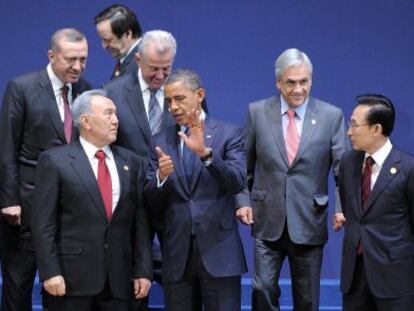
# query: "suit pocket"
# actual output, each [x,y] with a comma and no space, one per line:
[401,251]
[70,249]
[321,200]
[258,195]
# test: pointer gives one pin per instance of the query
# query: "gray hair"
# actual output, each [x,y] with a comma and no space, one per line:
[291,57]
[187,76]
[82,105]
[163,40]
[68,34]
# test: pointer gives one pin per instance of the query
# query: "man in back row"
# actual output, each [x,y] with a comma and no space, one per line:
[35,116]
[120,33]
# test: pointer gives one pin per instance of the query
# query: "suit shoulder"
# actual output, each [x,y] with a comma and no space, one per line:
[84,85]
[324,105]
[261,103]
[119,83]
[26,80]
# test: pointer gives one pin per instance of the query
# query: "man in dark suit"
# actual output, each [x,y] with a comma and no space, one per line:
[120,33]
[86,205]
[191,185]
[376,184]
[35,116]
[292,141]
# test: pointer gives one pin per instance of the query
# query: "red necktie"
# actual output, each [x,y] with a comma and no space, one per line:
[292,136]
[366,179]
[365,189]
[104,182]
[67,119]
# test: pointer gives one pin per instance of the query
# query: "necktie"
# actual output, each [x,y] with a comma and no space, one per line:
[154,113]
[104,182]
[117,70]
[365,189]
[292,136]
[67,119]
[366,179]
[188,161]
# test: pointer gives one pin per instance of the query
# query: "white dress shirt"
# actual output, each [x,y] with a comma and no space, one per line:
[146,95]
[57,85]
[90,151]
[379,157]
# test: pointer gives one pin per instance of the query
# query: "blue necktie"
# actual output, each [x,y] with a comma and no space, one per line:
[188,161]
[154,113]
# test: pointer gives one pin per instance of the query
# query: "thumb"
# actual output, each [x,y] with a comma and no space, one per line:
[159,152]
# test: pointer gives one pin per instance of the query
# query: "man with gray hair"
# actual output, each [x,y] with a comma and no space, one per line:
[292,142]
[35,116]
[90,228]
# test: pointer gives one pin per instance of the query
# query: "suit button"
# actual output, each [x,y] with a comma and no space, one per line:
[106,245]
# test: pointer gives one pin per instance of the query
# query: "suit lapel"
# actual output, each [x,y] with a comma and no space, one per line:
[356,174]
[173,145]
[272,111]
[136,104]
[308,128]
[122,168]
[81,165]
[48,99]
[390,169]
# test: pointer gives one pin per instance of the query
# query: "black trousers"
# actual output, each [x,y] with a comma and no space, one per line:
[360,297]
[104,301]
[18,267]
[198,288]
[305,266]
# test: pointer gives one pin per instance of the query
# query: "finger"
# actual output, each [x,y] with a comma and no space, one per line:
[250,217]
[159,152]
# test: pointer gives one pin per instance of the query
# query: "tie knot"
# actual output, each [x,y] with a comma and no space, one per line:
[153,92]
[290,113]
[369,161]
[100,155]
[65,90]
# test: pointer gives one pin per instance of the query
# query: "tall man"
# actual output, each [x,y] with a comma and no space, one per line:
[35,116]
[292,141]
[376,184]
[120,32]
[191,185]
[86,207]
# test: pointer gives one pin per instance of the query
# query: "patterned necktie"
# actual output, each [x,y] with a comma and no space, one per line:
[67,119]
[104,182]
[292,136]
[366,179]
[188,161]
[117,70]
[154,113]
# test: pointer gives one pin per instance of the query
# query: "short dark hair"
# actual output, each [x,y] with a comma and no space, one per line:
[68,34]
[381,111]
[122,20]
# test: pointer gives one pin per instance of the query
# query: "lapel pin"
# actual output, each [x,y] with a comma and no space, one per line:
[208,136]
[126,168]
[393,170]
[313,121]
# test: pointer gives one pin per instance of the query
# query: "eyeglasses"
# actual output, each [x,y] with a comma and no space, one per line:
[354,125]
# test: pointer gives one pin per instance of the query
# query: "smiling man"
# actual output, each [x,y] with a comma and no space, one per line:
[292,142]
[120,33]
[35,116]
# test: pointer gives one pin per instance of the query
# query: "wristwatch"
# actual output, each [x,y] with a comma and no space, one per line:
[208,156]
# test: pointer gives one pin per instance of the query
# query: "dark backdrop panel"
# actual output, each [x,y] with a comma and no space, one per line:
[356,46]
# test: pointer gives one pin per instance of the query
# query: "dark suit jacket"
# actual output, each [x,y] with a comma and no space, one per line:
[208,202]
[30,124]
[297,194]
[385,227]
[129,65]
[134,132]
[71,233]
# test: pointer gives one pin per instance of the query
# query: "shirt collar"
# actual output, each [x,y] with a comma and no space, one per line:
[300,111]
[144,86]
[122,59]
[57,84]
[91,149]
[381,154]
